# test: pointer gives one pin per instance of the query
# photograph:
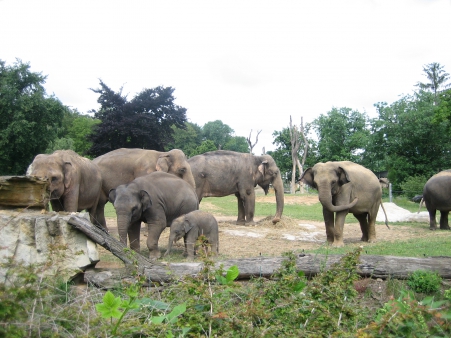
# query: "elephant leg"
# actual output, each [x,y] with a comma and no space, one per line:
[444,220]
[249,206]
[338,229]
[100,213]
[329,221]
[134,235]
[154,231]
[241,213]
[190,242]
[432,221]
[368,227]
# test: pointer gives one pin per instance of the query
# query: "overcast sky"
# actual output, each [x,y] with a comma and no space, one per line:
[250,64]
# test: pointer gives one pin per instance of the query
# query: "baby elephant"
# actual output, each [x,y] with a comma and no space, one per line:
[190,226]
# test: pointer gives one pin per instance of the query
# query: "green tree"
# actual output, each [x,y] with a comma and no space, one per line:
[74,133]
[144,122]
[437,78]
[29,118]
[218,132]
[186,139]
[405,136]
[342,135]
[237,143]
[205,146]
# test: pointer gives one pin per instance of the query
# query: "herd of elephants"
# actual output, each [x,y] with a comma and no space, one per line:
[164,189]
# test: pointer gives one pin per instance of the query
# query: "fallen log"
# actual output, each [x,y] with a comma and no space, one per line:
[311,264]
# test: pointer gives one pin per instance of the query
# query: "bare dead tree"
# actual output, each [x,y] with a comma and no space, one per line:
[295,135]
[251,146]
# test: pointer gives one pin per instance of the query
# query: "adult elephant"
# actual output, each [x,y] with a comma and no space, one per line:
[436,196]
[74,181]
[222,173]
[157,199]
[345,187]
[123,165]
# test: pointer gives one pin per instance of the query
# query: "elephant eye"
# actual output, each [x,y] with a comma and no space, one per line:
[182,170]
[54,179]
[134,209]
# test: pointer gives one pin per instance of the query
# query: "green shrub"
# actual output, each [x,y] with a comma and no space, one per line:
[413,186]
[424,281]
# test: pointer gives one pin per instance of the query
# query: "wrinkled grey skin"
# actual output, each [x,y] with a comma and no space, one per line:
[222,173]
[345,187]
[190,227]
[74,181]
[157,199]
[437,196]
[123,165]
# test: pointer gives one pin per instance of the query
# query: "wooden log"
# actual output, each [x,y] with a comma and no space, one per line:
[23,192]
[311,264]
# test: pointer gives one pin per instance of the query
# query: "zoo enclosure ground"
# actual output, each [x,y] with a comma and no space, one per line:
[267,239]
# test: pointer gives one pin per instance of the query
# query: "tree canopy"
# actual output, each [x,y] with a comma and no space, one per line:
[145,121]
[29,118]
[342,135]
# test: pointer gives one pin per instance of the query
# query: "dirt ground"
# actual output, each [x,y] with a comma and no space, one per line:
[267,239]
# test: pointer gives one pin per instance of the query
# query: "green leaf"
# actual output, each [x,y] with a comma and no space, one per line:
[177,311]
[110,306]
[232,273]
[158,319]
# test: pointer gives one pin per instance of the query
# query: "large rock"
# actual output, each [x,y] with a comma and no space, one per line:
[45,240]
[398,214]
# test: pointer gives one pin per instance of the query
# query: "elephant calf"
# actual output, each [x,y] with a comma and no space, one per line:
[190,227]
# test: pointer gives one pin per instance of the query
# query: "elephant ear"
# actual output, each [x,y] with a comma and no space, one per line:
[262,167]
[68,171]
[307,177]
[343,176]
[163,163]
[112,196]
[146,202]
[188,225]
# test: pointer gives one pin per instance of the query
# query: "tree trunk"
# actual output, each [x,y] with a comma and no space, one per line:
[370,265]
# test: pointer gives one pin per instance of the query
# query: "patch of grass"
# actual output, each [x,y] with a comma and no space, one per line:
[109,210]
[405,203]
[420,247]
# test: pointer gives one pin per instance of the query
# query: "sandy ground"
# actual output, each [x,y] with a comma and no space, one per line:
[267,239]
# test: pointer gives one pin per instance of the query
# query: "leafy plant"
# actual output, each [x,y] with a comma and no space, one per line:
[114,307]
[231,274]
[413,185]
[406,317]
[424,281]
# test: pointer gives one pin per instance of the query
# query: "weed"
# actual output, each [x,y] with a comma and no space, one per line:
[422,281]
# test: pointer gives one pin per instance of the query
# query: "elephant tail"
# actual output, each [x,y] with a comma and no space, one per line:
[385,213]
[421,204]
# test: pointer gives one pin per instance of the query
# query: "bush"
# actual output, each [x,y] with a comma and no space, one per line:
[424,281]
[413,185]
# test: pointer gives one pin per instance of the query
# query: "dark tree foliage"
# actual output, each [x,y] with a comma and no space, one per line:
[29,119]
[144,122]
[187,139]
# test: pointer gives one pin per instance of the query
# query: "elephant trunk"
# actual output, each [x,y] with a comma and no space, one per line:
[123,223]
[279,192]
[171,240]
[325,197]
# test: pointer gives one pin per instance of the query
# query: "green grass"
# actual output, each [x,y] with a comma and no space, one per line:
[420,247]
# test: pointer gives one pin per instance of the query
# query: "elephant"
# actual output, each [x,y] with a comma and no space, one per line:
[436,196]
[157,199]
[190,227]
[346,187]
[123,165]
[222,173]
[74,181]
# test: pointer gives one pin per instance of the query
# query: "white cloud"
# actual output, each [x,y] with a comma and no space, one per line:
[251,64]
